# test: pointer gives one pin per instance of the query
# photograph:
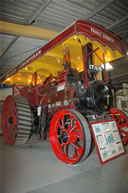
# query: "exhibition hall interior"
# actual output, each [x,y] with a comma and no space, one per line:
[63,96]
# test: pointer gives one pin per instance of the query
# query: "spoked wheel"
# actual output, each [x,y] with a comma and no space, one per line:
[122,123]
[16,120]
[70,136]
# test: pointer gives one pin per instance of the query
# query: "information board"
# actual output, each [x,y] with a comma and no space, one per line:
[107,140]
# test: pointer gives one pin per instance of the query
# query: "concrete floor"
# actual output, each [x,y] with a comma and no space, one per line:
[35,169]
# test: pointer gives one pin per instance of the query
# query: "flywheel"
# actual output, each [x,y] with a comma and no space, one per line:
[16,120]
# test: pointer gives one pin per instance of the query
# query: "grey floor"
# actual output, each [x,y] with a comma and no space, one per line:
[35,169]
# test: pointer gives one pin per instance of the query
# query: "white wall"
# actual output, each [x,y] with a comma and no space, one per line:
[4,93]
[125,89]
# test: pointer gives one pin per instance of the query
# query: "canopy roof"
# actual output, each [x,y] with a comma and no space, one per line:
[50,58]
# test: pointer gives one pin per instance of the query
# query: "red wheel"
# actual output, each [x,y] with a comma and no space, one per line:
[9,120]
[70,136]
[122,123]
[16,120]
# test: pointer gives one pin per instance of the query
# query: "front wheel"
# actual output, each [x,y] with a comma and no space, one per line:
[70,136]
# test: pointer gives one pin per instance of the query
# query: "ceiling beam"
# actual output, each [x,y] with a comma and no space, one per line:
[34,16]
[26,31]
[118,21]
[100,8]
[9,45]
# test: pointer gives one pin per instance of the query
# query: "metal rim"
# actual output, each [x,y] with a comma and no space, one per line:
[122,123]
[69,139]
[9,120]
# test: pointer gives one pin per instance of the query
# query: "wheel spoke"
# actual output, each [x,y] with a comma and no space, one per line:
[62,123]
[11,133]
[121,126]
[119,120]
[73,128]
[73,120]
[59,139]
[125,140]
[11,108]
[65,149]
[13,130]
[78,149]
[58,125]
[80,134]
[124,132]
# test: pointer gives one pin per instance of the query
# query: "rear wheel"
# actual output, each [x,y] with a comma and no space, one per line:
[70,136]
[122,122]
[16,120]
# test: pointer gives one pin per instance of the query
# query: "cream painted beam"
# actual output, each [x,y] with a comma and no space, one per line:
[27,31]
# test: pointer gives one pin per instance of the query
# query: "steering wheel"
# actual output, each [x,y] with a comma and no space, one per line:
[49,80]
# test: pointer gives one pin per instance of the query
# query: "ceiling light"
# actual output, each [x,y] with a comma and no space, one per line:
[58,60]
[108,66]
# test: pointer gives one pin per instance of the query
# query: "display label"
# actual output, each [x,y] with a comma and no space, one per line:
[61,86]
[107,139]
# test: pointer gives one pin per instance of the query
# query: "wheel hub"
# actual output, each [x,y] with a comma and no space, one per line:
[64,136]
[10,120]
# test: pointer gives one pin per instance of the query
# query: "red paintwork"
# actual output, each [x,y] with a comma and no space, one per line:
[122,121]
[9,129]
[85,66]
[89,29]
[43,93]
[105,72]
[73,133]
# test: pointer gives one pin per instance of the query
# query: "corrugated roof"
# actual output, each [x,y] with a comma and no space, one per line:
[19,51]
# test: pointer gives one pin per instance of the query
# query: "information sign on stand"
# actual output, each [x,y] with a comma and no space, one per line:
[107,140]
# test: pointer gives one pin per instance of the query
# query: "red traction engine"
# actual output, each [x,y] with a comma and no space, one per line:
[62,107]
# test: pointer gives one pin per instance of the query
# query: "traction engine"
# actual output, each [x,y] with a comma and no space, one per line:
[61,108]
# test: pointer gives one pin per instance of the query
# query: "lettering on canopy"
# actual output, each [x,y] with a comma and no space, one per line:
[102,35]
